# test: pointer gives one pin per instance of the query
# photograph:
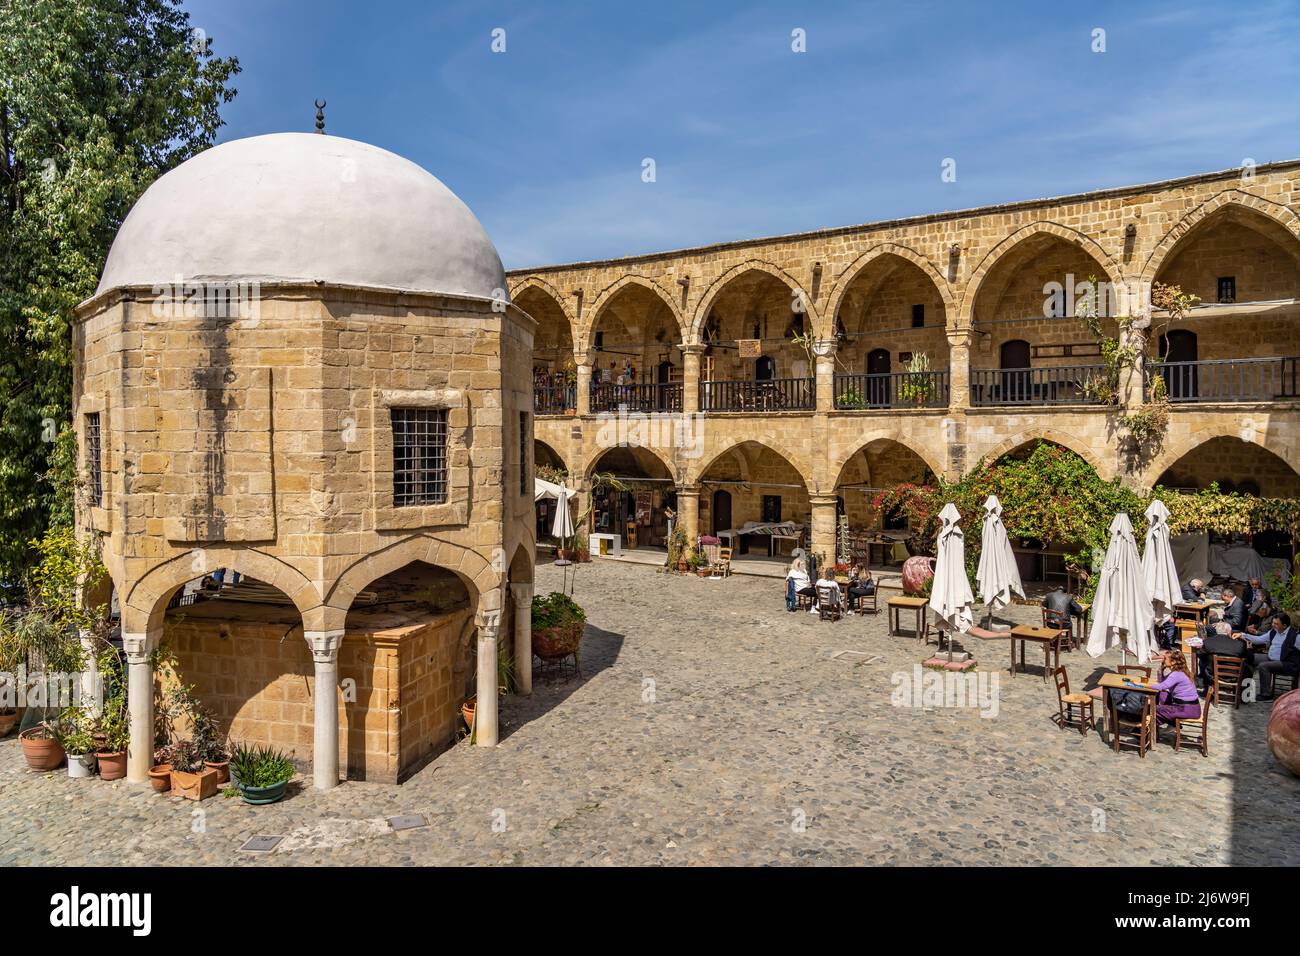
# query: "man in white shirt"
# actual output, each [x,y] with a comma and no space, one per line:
[1275,652]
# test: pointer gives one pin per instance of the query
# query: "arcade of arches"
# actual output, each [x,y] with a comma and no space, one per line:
[813,368]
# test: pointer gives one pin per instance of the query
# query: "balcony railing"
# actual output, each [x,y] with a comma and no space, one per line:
[1035,386]
[1229,380]
[637,398]
[892,390]
[766,395]
[554,399]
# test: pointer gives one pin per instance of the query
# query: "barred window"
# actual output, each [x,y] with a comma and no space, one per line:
[419,456]
[523,453]
[94,460]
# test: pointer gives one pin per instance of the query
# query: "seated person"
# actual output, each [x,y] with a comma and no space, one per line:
[1259,610]
[1234,609]
[1194,591]
[1177,699]
[861,585]
[797,583]
[1275,652]
[1220,642]
[828,591]
[1060,607]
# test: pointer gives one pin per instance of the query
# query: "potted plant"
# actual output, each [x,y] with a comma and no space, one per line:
[678,545]
[8,720]
[207,741]
[189,776]
[74,730]
[263,773]
[113,731]
[160,774]
[467,711]
[41,748]
[558,624]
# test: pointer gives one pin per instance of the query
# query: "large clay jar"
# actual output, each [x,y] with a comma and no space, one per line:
[916,571]
[1284,731]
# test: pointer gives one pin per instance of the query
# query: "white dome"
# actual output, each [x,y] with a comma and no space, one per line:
[304,207]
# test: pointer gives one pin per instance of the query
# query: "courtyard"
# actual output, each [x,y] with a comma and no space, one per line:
[712,727]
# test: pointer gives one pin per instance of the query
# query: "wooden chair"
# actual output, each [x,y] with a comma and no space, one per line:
[1199,726]
[869,603]
[1226,678]
[803,602]
[722,566]
[1292,678]
[830,605]
[1141,728]
[1140,670]
[1061,622]
[1067,702]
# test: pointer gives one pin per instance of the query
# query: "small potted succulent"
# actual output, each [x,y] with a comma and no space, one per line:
[190,777]
[261,773]
[74,730]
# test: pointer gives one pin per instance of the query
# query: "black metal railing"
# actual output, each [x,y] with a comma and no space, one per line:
[1229,380]
[1070,385]
[637,398]
[554,399]
[893,390]
[766,395]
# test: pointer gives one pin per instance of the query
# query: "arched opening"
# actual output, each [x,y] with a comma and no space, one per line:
[635,510]
[751,361]
[636,353]
[1027,310]
[720,514]
[1178,364]
[554,370]
[879,539]
[549,466]
[891,320]
[1245,268]
[769,512]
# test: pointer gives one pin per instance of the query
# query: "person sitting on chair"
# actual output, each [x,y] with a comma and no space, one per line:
[1234,609]
[1275,652]
[1060,606]
[1221,643]
[1259,610]
[797,583]
[1177,698]
[1194,591]
[828,591]
[860,585]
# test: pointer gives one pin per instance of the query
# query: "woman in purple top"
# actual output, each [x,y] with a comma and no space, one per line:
[1177,698]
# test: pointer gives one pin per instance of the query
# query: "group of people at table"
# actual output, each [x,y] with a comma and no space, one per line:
[1247,626]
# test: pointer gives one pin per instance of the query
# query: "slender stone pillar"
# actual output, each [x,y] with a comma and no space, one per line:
[688,512]
[325,737]
[823,526]
[959,369]
[139,690]
[523,598]
[485,708]
[584,387]
[691,378]
[824,350]
[89,674]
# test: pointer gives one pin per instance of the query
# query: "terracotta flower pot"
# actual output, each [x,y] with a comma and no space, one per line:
[195,786]
[42,753]
[160,777]
[222,767]
[467,711]
[112,766]
[551,643]
[8,720]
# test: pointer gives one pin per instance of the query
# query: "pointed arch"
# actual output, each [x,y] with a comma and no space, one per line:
[607,294]
[1266,438]
[477,573]
[1114,273]
[855,268]
[537,282]
[749,265]
[656,453]
[794,461]
[1229,199]
[1066,440]
[923,453]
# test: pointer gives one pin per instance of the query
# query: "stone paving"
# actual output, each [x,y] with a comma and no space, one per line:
[713,727]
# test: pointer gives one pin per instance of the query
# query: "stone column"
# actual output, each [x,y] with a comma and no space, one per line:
[584,387]
[523,598]
[691,378]
[823,526]
[1132,393]
[139,691]
[485,708]
[688,512]
[89,673]
[325,738]
[959,369]
[824,351]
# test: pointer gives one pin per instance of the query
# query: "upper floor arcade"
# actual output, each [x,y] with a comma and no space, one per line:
[971,309]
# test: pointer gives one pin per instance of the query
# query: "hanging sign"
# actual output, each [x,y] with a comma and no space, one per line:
[749,348]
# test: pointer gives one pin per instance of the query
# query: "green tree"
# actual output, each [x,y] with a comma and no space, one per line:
[97,99]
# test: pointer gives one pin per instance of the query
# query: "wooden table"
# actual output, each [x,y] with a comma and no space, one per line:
[1081,625]
[1049,637]
[1112,681]
[1198,611]
[896,607]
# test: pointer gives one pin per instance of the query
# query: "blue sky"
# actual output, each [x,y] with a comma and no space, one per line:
[545,141]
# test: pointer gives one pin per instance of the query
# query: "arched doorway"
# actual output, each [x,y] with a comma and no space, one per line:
[635,338]
[768,511]
[1014,358]
[721,513]
[878,367]
[764,368]
[635,503]
[880,465]
[1178,364]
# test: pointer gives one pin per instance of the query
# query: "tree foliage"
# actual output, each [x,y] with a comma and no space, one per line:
[97,99]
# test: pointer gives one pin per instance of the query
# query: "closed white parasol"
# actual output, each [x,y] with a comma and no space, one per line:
[950,594]
[1121,611]
[1159,570]
[998,577]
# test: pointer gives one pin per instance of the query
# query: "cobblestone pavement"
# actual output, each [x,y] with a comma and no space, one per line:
[709,726]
